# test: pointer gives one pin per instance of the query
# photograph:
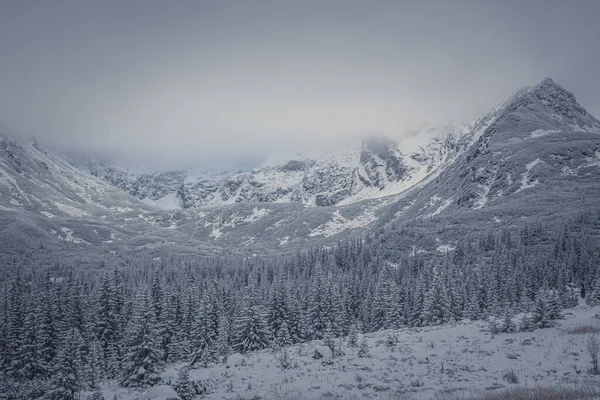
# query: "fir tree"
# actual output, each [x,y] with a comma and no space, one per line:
[363,348]
[66,378]
[282,338]
[508,326]
[30,352]
[250,332]
[142,355]
[223,347]
[541,315]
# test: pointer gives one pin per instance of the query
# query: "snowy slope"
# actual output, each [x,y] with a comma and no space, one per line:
[462,358]
[539,151]
[33,179]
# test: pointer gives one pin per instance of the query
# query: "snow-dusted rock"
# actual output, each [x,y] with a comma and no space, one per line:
[320,352]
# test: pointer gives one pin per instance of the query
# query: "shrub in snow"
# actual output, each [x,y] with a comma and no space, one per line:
[416,383]
[284,360]
[203,387]
[511,377]
[391,340]
[353,336]
[544,311]
[363,348]
[527,324]
[593,348]
[493,327]
[508,326]
[183,386]
[339,348]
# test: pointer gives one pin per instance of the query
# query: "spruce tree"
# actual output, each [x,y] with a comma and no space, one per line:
[508,326]
[31,359]
[66,377]
[541,315]
[250,330]
[283,338]
[363,348]
[143,359]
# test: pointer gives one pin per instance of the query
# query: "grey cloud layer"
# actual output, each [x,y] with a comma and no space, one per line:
[200,81]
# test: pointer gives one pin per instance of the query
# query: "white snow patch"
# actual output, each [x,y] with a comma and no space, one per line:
[339,223]
[216,232]
[497,220]
[567,171]
[445,248]
[249,240]
[167,202]
[120,209]
[284,240]
[69,210]
[542,132]
[441,208]
[483,198]
[257,213]
[10,180]
[593,161]
[47,214]
[525,183]
[69,237]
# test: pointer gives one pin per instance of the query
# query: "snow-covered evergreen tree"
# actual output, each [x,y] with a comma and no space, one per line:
[142,360]
[66,376]
[250,331]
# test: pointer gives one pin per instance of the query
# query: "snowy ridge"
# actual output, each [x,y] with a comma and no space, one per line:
[379,167]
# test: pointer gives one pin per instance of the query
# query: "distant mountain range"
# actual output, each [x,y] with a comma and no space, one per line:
[537,155]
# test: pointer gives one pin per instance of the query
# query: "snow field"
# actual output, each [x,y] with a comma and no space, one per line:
[413,363]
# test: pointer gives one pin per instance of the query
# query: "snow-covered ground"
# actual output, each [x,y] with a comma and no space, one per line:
[459,358]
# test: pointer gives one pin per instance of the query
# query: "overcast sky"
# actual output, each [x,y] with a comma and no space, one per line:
[226,82]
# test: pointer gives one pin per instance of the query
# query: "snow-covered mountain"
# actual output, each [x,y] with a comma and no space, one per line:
[536,155]
[538,158]
[375,168]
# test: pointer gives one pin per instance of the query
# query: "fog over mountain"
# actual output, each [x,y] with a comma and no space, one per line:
[228,83]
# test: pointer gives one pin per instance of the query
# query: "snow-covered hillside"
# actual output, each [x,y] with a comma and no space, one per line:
[462,359]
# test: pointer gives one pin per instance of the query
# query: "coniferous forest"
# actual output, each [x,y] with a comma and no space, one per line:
[64,330]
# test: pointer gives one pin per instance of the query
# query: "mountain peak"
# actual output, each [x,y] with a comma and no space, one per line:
[548,82]
[546,106]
